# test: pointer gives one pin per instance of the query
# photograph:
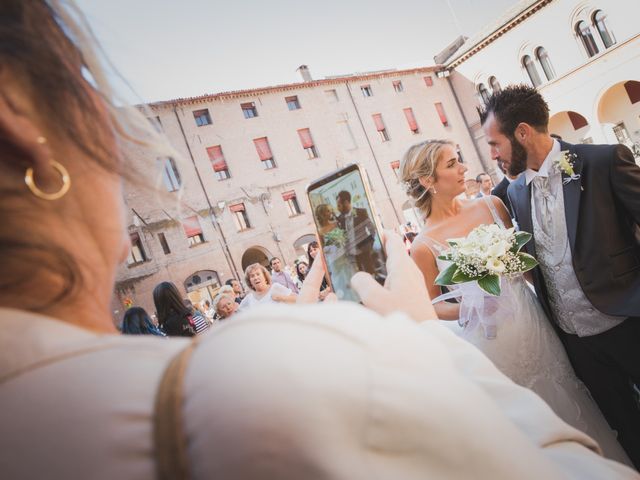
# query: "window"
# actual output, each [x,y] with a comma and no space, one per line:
[332,95]
[528,65]
[459,152]
[395,166]
[584,32]
[366,91]
[218,162]
[397,86]
[202,117]
[411,120]
[249,110]
[292,203]
[377,119]
[170,175]
[292,103]
[441,114]
[543,58]
[264,152]
[600,21]
[164,244]
[494,84]
[192,230]
[307,142]
[240,216]
[136,254]
[428,80]
[483,93]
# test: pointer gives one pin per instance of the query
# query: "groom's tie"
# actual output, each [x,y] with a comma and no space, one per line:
[544,203]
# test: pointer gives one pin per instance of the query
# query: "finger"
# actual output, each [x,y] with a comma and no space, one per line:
[331,297]
[312,283]
[371,293]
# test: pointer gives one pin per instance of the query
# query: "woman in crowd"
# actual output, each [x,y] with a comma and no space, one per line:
[255,399]
[225,305]
[174,317]
[512,329]
[263,290]
[301,272]
[137,322]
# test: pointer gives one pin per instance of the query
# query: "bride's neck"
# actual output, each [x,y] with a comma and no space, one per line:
[444,207]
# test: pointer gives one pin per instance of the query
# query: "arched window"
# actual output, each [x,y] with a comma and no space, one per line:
[584,32]
[494,84]
[528,65]
[600,22]
[543,58]
[483,93]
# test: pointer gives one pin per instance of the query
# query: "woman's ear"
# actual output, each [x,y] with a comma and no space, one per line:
[19,132]
[426,182]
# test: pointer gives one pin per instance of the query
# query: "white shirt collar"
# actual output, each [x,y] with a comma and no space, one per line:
[545,168]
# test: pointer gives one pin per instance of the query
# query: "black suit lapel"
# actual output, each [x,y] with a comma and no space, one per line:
[523,210]
[571,192]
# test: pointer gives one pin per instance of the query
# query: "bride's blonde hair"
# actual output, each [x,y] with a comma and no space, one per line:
[421,161]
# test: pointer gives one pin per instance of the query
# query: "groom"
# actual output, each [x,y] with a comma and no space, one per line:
[583,217]
[359,230]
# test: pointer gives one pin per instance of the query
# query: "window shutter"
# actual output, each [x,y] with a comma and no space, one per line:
[289,195]
[408,112]
[217,158]
[441,114]
[429,81]
[633,90]
[305,138]
[577,120]
[377,119]
[191,226]
[238,207]
[263,149]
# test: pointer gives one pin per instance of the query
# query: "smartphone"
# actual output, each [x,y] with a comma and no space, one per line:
[348,229]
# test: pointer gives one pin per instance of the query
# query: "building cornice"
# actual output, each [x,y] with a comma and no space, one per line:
[255,92]
[497,33]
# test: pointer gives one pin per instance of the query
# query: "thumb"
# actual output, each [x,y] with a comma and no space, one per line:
[372,294]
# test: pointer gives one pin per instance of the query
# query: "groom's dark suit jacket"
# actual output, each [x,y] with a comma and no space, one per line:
[500,191]
[602,211]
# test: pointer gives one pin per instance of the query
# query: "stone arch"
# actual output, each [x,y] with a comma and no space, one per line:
[571,126]
[300,245]
[202,285]
[618,110]
[256,254]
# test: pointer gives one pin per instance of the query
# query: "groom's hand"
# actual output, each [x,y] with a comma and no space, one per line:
[404,290]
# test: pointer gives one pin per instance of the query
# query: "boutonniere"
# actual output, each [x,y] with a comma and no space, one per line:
[564,163]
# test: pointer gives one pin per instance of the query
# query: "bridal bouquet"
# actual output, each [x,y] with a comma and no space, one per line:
[335,237]
[485,255]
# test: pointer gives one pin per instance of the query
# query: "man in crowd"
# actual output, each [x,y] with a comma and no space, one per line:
[237,289]
[484,184]
[278,275]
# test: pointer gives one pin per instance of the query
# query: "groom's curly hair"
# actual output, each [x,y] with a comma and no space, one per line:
[516,104]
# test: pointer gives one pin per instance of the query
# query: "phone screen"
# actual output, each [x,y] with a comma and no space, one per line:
[347,229]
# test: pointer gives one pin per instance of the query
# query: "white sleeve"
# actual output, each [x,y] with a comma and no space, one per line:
[336,391]
[279,289]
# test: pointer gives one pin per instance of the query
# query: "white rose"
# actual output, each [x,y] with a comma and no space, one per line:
[495,266]
[498,249]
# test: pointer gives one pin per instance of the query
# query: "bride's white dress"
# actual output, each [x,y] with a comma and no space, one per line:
[513,331]
[341,271]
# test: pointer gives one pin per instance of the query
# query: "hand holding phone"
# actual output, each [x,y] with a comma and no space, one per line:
[347,229]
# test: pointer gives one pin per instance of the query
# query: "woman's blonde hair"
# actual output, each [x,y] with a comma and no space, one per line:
[251,268]
[420,161]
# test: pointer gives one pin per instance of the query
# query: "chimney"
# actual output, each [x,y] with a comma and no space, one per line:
[305,73]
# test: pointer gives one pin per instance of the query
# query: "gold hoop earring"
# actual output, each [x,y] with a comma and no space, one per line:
[66,183]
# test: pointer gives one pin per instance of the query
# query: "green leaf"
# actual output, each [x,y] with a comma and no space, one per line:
[461,277]
[446,256]
[521,239]
[490,284]
[529,261]
[445,277]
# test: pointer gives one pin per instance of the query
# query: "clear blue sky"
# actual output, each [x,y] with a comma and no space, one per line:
[177,48]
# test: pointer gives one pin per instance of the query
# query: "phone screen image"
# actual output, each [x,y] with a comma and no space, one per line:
[347,230]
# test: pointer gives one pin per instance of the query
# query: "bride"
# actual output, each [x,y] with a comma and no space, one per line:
[512,329]
[341,269]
